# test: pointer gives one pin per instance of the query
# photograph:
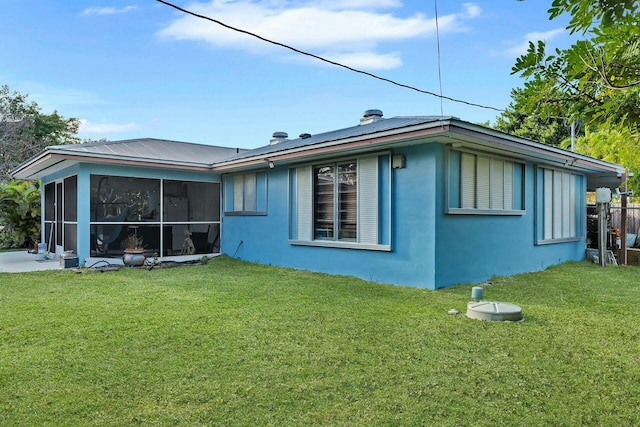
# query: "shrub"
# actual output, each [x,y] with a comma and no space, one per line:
[19,213]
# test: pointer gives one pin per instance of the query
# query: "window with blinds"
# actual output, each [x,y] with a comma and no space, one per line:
[483,184]
[486,183]
[336,201]
[245,194]
[560,215]
[340,203]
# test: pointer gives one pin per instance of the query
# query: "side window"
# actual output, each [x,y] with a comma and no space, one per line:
[480,184]
[246,194]
[559,216]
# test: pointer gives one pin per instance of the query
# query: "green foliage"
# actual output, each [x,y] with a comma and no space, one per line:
[596,82]
[552,131]
[239,344]
[616,145]
[19,213]
[597,79]
[584,13]
[25,130]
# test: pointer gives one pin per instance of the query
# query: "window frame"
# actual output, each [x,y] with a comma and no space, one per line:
[335,216]
[260,199]
[518,196]
[372,212]
[577,215]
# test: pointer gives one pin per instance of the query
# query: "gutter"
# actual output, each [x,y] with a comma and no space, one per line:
[62,155]
[535,146]
[361,142]
[452,129]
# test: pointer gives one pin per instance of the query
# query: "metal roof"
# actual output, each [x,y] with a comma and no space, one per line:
[398,131]
[142,151]
[377,126]
[161,150]
[376,133]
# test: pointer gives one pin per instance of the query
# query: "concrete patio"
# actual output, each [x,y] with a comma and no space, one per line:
[23,261]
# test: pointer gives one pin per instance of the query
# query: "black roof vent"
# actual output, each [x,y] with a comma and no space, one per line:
[371,116]
[305,135]
[278,137]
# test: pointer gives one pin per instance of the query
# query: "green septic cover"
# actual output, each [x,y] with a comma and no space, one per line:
[494,311]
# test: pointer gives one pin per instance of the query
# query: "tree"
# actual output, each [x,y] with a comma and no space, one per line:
[549,130]
[616,145]
[597,79]
[25,130]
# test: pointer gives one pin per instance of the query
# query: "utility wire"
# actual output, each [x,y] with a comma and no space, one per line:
[384,79]
[435,6]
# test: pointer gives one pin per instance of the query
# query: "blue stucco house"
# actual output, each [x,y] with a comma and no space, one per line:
[424,201]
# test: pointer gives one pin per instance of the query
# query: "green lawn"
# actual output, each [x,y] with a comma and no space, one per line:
[233,343]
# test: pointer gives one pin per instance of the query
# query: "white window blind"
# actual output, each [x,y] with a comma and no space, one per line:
[497,184]
[548,204]
[486,183]
[249,191]
[238,190]
[508,185]
[483,182]
[368,200]
[559,199]
[304,203]
[245,193]
[468,180]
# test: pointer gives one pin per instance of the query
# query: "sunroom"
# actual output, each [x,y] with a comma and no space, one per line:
[101,198]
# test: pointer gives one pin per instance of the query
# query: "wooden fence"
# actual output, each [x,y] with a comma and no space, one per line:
[633,217]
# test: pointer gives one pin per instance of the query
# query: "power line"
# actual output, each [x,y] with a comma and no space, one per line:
[366,73]
[435,6]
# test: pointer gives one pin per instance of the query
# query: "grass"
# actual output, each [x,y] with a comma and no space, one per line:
[233,343]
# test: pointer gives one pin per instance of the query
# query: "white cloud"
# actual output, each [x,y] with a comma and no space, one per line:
[472,10]
[107,10]
[357,4]
[348,29]
[521,48]
[88,127]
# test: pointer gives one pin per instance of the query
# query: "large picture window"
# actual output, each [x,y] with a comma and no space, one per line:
[342,204]
[482,184]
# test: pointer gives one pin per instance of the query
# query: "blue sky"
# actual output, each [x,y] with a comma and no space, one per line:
[132,69]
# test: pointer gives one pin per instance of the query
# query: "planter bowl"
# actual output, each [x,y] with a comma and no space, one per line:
[133,257]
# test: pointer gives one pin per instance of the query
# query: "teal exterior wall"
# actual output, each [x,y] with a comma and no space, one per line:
[413,224]
[429,247]
[474,248]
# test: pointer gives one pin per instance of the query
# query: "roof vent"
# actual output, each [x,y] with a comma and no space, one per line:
[305,135]
[278,137]
[371,116]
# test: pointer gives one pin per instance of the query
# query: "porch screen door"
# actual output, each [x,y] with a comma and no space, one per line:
[48,235]
[59,211]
